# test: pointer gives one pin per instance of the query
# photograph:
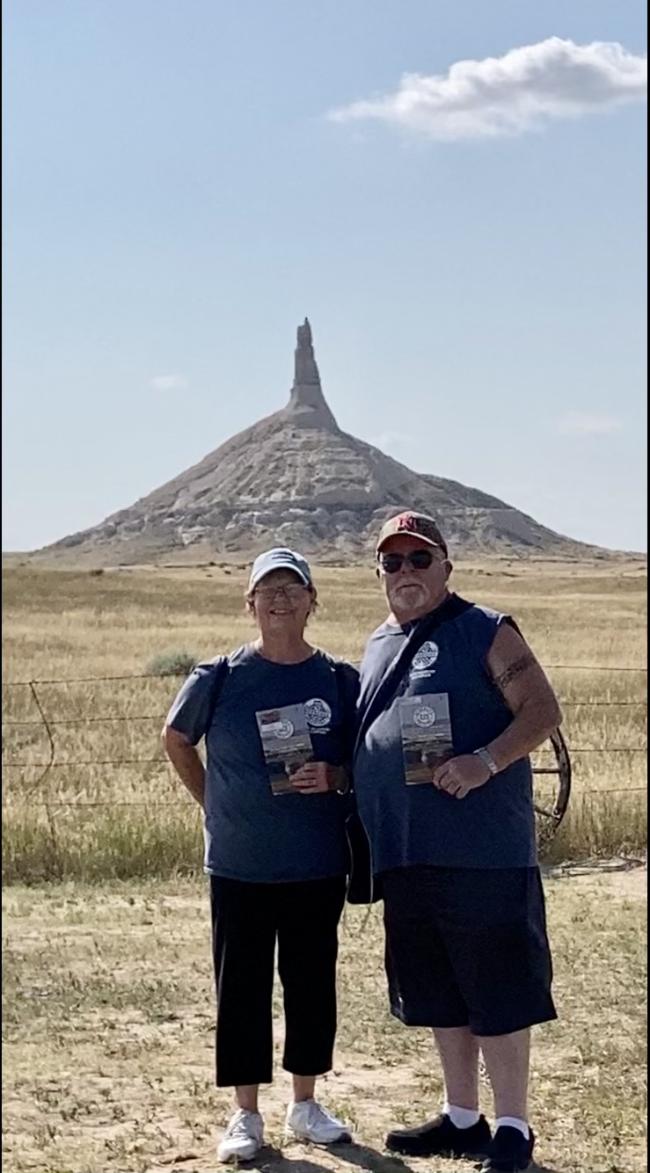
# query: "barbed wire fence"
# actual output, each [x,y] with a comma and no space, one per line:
[50,724]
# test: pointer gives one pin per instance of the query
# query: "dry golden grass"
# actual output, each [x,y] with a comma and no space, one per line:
[584,621]
[109,1006]
[71,623]
[109,1035]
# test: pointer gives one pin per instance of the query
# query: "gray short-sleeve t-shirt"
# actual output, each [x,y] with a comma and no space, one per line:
[250,833]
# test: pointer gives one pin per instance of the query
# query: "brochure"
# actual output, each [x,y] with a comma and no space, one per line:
[426,735]
[286,744]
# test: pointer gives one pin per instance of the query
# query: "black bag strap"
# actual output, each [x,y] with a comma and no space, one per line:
[347,691]
[387,688]
[219,674]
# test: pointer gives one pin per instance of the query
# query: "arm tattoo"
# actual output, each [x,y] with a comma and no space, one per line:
[514,669]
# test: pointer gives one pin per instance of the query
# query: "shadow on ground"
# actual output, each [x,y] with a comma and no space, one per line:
[272,1160]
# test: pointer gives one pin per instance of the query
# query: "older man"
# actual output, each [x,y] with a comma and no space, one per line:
[452,702]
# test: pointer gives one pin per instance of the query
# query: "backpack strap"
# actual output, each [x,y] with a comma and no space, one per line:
[219,676]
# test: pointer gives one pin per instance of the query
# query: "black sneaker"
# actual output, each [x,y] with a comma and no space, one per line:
[509,1151]
[441,1138]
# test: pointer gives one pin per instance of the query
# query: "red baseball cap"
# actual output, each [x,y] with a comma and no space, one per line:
[416,525]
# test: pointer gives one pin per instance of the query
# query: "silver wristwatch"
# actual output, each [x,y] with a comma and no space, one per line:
[486,757]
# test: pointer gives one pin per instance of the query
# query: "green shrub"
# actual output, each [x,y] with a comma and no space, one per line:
[172,664]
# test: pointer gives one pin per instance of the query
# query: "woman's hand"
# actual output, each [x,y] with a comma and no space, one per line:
[317,778]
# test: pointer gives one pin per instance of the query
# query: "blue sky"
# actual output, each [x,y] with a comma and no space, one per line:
[185,181]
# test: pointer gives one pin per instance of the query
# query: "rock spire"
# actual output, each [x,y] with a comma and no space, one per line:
[307,406]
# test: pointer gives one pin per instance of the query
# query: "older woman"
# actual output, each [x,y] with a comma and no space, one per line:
[277,716]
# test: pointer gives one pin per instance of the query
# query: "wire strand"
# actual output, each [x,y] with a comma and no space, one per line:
[180,802]
[172,675]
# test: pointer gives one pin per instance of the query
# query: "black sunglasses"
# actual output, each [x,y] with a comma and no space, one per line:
[417,560]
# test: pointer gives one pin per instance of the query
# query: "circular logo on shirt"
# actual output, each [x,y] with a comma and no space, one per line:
[318,712]
[426,655]
[424,716]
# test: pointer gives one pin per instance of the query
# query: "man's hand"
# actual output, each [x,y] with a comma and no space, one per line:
[318,778]
[460,775]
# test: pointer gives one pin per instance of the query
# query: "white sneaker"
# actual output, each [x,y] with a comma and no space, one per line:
[308,1120]
[243,1137]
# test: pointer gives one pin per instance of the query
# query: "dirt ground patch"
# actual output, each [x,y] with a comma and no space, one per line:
[109,1033]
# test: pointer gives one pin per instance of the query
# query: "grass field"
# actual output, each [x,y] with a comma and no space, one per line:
[110,808]
[109,1021]
[109,1034]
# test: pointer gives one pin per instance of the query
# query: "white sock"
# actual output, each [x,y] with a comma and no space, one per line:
[461,1117]
[513,1122]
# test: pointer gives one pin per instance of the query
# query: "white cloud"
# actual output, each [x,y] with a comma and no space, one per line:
[585,424]
[511,94]
[169,383]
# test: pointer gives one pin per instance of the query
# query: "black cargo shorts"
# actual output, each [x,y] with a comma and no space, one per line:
[467,947]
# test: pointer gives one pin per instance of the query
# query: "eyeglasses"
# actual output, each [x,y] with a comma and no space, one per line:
[417,560]
[290,591]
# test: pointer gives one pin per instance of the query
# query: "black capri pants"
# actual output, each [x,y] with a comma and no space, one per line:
[247,920]
[467,947]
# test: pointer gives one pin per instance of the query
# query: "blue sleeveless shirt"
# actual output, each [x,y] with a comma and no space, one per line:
[493,826]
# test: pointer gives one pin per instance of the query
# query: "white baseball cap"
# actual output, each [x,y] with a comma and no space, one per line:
[279,558]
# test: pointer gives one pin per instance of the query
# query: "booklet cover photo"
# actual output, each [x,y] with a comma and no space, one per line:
[426,735]
[286,744]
